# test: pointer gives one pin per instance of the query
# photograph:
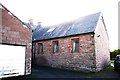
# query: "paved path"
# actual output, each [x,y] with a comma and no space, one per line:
[112,64]
[47,72]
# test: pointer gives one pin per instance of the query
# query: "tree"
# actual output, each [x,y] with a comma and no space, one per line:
[114,53]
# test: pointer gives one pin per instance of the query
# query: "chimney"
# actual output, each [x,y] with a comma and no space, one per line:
[39,25]
[31,22]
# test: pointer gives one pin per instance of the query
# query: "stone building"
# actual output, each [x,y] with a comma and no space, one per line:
[81,45]
[14,33]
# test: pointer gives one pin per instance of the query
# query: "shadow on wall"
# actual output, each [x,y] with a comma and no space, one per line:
[105,64]
[40,60]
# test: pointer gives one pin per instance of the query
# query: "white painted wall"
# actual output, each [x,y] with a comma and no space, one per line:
[102,50]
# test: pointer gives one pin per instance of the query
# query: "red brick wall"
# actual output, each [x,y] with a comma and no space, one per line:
[65,59]
[14,32]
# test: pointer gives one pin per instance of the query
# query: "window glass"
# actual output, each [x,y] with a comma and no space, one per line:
[55,46]
[75,45]
[41,48]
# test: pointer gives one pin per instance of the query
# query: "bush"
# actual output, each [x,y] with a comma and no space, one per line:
[114,53]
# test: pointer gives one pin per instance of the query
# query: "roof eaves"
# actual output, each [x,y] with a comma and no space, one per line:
[63,36]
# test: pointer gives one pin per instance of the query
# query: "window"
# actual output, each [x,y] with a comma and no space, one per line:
[55,46]
[40,48]
[51,29]
[75,45]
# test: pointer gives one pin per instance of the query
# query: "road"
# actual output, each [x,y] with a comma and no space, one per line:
[47,72]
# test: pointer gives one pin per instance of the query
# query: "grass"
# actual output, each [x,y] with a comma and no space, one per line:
[112,61]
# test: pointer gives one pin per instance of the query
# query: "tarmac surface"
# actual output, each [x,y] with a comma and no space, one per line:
[41,72]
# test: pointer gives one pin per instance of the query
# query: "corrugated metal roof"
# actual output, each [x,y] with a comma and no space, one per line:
[80,26]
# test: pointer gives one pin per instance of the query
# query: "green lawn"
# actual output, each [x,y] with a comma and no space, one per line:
[112,61]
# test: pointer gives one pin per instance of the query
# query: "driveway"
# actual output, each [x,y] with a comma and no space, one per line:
[47,72]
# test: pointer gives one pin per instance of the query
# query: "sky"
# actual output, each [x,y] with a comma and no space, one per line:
[52,12]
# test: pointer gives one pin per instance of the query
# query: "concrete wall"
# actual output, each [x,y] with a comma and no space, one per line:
[65,59]
[101,46]
[14,32]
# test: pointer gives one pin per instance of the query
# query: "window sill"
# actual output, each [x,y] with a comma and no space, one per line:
[75,52]
[56,53]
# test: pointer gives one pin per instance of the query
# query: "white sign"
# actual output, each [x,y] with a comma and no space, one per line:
[12,60]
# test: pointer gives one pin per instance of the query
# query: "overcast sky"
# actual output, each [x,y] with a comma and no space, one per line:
[52,12]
